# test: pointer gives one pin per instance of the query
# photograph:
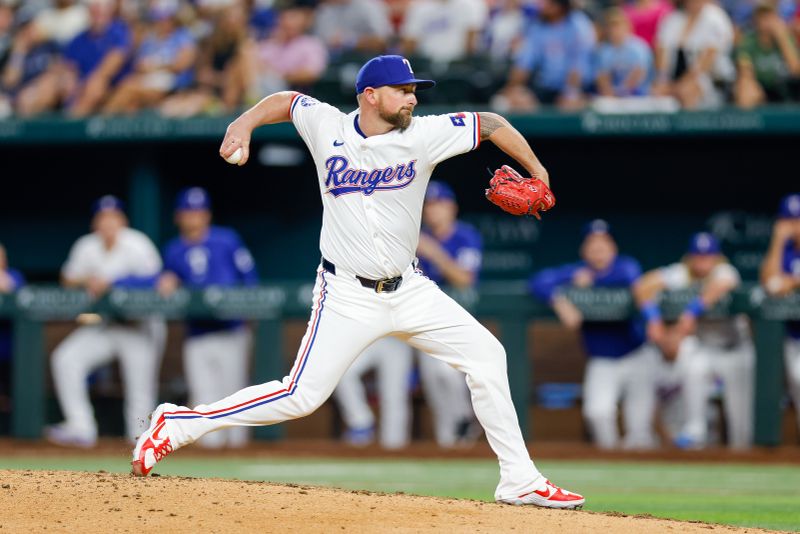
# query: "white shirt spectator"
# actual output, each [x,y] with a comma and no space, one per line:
[505,29]
[62,25]
[342,24]
[133,254]
[441,28]
[713,29]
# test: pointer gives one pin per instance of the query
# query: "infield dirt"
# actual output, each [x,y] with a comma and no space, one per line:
[67,501]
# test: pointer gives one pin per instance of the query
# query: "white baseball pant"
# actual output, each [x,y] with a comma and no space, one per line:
[448,397]
[392,360]
[631,379]
[345,319]
[697,365]
[139,348]
[216,365]
[791,358]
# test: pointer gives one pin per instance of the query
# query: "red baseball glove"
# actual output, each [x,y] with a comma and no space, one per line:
[518,195]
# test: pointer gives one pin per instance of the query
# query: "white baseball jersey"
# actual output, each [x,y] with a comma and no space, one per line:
[133,254]
[717,332]
[373,188]
[372,193]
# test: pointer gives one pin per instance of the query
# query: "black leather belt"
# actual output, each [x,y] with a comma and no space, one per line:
[387,285]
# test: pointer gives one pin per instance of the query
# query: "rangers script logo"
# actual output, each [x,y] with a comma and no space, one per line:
[343,179]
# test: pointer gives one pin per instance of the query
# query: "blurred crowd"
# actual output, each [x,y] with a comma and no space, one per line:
[190,57]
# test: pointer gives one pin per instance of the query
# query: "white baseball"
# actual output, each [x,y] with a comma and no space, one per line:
[236,157]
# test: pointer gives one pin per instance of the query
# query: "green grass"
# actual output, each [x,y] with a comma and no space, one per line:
[765,496]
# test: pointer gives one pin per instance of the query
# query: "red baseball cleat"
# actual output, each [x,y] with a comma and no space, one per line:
[549,496]
[153,445]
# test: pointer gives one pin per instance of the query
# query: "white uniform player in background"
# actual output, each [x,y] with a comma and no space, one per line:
[373,167]
[450,253]
[393,361]
[215,352]
[113,255]
[705,349]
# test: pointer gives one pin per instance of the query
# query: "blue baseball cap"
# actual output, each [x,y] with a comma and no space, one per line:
[193,198]
[596,226]
[439,191]
[790,207]
[388,70]
[704,243]
[107,203]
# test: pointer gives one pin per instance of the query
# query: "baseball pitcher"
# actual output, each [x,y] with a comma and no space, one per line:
[373,166]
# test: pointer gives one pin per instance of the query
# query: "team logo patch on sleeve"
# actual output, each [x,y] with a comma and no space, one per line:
[307,101]
[458,119]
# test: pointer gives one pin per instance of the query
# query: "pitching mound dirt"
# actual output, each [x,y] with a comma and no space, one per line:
[66,501]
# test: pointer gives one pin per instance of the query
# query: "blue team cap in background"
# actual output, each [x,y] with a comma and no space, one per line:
[439,191]
[704,243]
[790,206]
[388,70]
[596,226]
[107,203]
[193,198]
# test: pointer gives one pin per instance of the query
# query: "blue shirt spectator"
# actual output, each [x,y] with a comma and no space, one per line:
[600,339]
[204,255]
[91,47]
[555,49]
[163,50]
[97,59]
[623,63]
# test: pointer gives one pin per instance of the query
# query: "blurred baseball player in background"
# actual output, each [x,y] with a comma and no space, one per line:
[113,255]
[215,353]
[10,281]
[621,366]
[373,168]
[450,253]
[393,360]
[780,275]
[704,349]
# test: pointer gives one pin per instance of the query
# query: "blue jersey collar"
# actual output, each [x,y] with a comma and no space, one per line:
[357,127]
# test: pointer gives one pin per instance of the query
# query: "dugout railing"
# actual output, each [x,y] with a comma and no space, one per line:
[504,303]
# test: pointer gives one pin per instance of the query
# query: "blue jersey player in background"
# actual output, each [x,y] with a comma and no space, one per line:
[780,275]
[620,366]
[450,253]
[10,281]
[215,353]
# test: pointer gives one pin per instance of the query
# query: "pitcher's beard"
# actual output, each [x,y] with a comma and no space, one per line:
[400,119]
